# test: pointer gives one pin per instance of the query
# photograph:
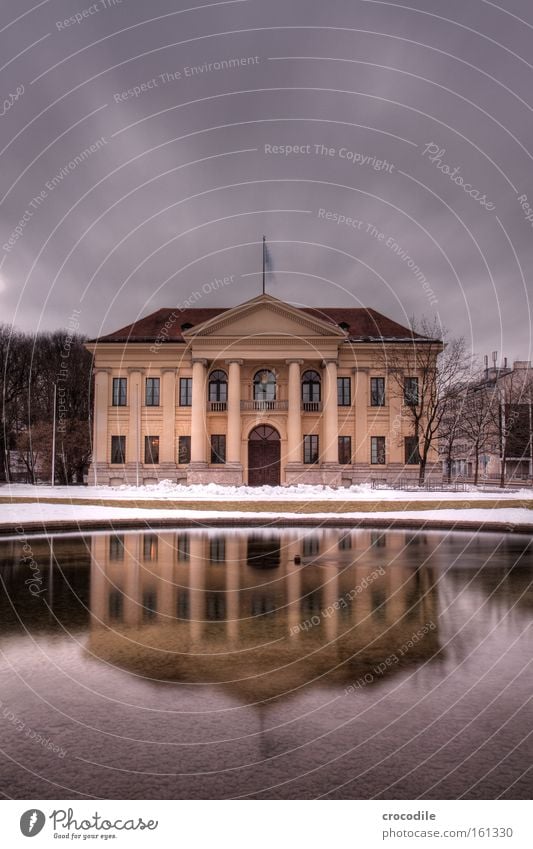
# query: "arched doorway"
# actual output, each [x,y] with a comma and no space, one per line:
[264,454]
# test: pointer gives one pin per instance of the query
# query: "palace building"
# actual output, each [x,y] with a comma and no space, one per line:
[263,393]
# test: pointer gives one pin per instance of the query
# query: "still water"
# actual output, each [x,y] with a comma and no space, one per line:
[265,664]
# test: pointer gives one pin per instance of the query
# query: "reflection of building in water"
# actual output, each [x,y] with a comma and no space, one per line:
[213,607]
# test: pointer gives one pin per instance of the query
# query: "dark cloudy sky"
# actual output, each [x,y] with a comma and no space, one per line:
[391,106]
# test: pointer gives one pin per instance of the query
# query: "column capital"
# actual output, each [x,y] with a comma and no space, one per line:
[296,362]
[360,370]
[169,370]
[332,361]
[133,369]
[198,360]
[100,370]
[234,361]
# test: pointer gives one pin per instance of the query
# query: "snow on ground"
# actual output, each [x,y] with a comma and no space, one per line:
[21,515]
[168,490]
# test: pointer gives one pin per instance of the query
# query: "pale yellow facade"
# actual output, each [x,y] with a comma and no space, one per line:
[195,439]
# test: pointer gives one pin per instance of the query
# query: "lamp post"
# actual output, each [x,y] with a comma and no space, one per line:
[54,438]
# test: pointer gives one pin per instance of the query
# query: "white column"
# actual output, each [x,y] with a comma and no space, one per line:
[361,448]
[168,403]
[294,417]
[134,446]
[234,411]
[330,417]
[233,568]
[101,409]
[198,412]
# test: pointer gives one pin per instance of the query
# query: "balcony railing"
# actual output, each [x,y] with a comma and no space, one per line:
[217,406]
[312,406]
[264,406]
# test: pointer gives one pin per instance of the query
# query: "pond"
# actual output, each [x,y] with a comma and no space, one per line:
[266,664]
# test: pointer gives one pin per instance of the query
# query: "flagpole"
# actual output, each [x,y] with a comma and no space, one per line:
[264,249]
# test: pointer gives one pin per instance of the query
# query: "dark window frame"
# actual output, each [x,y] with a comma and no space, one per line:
[116,441]
[217,387]
[345,450]
[378,451]
[184,450]
[411,392]
[344,392]
[120,392]
[311,449]
[377,392]
[311,387]
[265,386]
[218,449]
[185,391]
[152,392]
[151,450]
[412,453]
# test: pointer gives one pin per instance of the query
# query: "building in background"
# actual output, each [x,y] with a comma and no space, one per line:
[260,394]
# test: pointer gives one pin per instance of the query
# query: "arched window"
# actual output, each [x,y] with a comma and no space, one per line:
[218,387]
[265,385]
[310,387]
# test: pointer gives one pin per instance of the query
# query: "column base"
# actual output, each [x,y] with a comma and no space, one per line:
[229,474]
[323,474]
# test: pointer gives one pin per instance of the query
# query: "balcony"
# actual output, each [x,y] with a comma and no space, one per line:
[217,406]
[312,406]
[264,406]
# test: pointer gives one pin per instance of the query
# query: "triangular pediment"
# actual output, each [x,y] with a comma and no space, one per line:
[265,316]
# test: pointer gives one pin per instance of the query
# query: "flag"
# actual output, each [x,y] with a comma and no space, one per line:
[267,261]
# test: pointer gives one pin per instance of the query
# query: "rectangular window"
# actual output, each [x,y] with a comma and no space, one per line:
[410,391]
[184,449]
[344,391]
[185,391]
[217,550]
[120,391]
[412,456]
[150,542]
[152,392]
[118,449]
[345,450]
[151,450]
[310,449]
[116,605]
[377,450]
[310,546]
[183,548]
[149,605]
[218,448]
[345,542]
[377,391]
[183,604]
[116,548]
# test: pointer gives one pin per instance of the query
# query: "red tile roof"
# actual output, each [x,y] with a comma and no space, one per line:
[167,324]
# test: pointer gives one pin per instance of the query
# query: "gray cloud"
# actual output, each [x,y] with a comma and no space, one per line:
[181,189]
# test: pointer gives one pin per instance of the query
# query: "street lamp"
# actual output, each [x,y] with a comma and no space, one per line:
[54,438]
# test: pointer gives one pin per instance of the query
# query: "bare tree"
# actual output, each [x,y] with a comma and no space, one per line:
[450,432]
[479,414]
[427,373]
